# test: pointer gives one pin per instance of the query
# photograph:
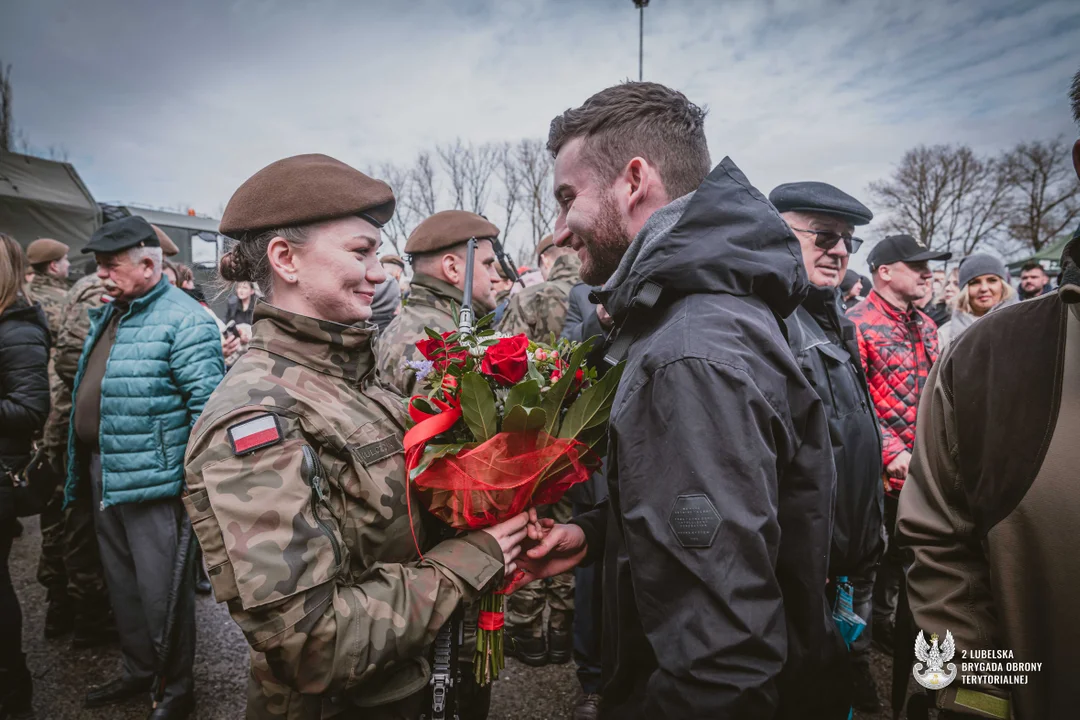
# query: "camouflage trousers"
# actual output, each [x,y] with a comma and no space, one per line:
[525,608]
[69,567]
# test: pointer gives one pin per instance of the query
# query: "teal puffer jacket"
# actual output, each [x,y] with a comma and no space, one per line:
[162,368]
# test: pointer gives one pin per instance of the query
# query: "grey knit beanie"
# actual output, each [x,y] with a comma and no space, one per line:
[973,266]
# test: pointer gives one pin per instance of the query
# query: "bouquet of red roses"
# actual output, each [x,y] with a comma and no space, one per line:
[505,424]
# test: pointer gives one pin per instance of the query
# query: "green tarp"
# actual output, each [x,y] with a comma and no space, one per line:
[45,198]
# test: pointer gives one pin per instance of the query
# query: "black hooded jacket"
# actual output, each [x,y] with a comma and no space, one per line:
[716,534]
[823,341]
[24,381]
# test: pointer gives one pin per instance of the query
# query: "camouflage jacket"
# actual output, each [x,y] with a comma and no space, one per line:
[50,292]
[432,303]
[540,310]
[71,330]
[325,580]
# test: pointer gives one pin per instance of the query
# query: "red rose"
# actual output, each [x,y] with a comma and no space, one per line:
[506,360]
[435,350]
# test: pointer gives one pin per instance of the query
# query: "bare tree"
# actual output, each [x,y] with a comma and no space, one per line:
[511,182]
[1046,192]
[536,166]
[7,126]
[423,194]
[404,219]
[947,197]
[453,158]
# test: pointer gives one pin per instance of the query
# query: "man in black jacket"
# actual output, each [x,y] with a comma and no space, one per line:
[716,533]
[823,340]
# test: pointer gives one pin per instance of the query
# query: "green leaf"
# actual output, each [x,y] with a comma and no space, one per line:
[526,393]
[424,406]
[433,453]
[524,419]
[485,321]
[535,374]
[553,400]
[593,406]
[433,335]
[478,406]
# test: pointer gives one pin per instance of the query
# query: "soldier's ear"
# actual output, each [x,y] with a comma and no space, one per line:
[282,257]
[453,268]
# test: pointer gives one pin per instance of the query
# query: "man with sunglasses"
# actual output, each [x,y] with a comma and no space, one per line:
[898,344]
[823,341]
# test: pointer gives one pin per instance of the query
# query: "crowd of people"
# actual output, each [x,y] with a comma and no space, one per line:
[803,461]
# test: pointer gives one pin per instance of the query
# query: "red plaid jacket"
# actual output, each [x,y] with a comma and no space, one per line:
[897,350]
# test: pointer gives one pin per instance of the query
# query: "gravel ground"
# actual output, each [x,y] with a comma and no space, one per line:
[62,675]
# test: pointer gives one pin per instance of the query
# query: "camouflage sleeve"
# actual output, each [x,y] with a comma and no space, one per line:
[519,318]
[278,558]
[69,344]
[549,313]
[391,355]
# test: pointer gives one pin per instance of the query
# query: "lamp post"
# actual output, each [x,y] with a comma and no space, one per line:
[640,5]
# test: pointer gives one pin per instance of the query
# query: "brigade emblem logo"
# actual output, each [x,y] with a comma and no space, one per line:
[934,675]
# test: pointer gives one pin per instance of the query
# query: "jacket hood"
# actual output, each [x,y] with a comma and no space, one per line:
[725,237]
[24,311]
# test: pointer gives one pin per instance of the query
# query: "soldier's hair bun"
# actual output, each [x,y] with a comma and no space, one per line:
[234,267]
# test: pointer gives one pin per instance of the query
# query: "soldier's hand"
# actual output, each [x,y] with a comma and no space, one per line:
[561,550]
[509,535]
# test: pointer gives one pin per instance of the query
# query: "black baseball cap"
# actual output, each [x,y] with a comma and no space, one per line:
[902,248]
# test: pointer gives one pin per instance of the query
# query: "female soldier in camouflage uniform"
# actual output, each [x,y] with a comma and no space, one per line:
[296,477]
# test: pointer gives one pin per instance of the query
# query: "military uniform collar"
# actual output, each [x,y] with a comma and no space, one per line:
[566,267]
[432,291]
[46,280]
[338,350]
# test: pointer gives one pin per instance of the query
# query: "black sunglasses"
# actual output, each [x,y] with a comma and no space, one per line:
[828,239]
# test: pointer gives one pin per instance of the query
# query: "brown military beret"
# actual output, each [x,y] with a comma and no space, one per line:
[448,228]
[393,260]
[45,250]
[168,247]
[302,190]
[545,244]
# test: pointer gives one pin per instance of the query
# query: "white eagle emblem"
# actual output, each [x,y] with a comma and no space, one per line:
[935,676]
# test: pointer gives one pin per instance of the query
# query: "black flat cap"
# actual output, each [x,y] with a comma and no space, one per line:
[119,235]
[819,197]
[901,248]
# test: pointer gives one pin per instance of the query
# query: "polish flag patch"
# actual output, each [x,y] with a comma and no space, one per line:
[259,432]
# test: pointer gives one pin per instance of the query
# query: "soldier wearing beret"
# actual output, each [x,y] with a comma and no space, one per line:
[393,265]
[537,312]
[823,340]
[437,250]
[49,261]
[296,473]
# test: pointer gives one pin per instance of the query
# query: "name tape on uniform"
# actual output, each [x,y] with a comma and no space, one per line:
[251,435]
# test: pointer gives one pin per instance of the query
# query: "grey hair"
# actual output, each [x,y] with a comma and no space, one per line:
[136,254]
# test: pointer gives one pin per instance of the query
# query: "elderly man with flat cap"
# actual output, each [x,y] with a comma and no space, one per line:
[823,341]
[150,362]
[437,252]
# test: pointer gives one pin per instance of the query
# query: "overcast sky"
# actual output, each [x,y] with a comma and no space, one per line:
[163,103]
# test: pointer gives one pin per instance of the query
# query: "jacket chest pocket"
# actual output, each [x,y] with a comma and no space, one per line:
[844,391]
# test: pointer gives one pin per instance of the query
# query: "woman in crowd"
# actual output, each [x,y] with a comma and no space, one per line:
[241,305]
[983,284]
[24,406]
[301,448]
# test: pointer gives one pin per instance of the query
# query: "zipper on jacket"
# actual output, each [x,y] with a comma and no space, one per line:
[311,470]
